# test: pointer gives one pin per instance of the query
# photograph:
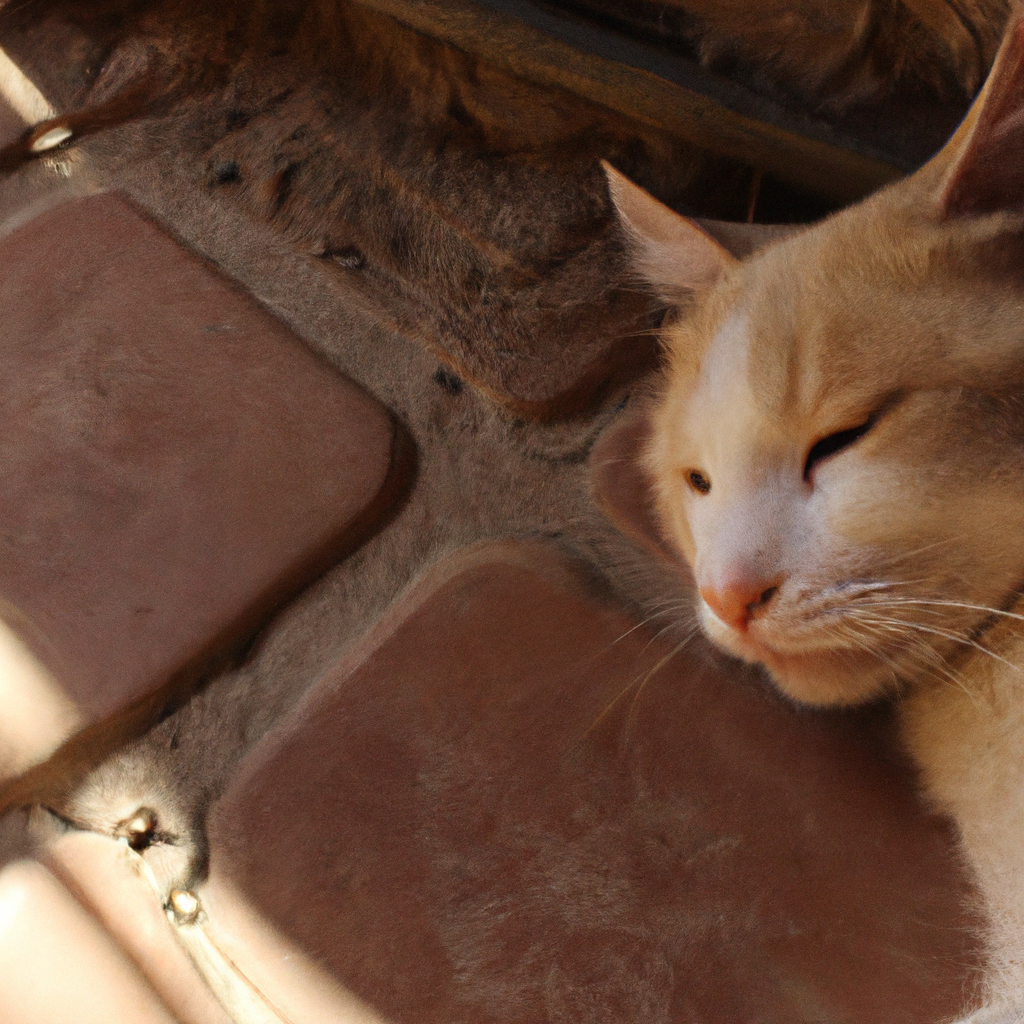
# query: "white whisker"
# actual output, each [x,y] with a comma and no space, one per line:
[670,608]
[947,635]
[641,681]
[940,602]
[925,656]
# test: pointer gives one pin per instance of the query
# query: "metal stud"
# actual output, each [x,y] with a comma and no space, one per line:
[184,905]
[51,139]
[139,831]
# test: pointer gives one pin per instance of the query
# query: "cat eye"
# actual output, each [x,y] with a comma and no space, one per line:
[698,481]
[834,443]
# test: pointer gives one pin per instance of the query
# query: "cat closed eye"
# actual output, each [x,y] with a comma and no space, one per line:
[698,481]
[833,443]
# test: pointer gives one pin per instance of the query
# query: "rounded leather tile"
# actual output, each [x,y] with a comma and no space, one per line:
[174,461]
[515,804]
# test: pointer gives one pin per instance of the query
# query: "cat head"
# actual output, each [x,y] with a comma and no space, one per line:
[838,446]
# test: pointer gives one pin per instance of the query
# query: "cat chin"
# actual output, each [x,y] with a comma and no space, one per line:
[822,678]
[826,680]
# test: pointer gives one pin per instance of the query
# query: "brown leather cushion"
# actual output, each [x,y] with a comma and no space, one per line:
[507,805]
[57,964]
[174,460]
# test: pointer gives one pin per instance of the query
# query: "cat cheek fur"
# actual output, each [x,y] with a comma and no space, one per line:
[879,512]
[732,406]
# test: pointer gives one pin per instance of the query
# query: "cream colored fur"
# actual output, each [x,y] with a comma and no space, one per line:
[969,743]
[838,453]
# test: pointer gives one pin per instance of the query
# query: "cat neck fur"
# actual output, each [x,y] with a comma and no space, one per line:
[968,743]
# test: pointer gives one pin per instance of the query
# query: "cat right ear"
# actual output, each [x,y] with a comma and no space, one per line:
[672,253]
[985,170]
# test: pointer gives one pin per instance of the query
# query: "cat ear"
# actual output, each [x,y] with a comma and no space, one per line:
[986,154]
[670,252]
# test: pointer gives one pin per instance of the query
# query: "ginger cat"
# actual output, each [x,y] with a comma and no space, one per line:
[838,453]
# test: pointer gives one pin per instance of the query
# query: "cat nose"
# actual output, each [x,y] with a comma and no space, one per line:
[737,603]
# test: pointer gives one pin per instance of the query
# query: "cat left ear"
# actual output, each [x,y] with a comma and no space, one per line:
[986,154]
[669,251]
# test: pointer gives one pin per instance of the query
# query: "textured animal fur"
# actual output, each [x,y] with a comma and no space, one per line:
[969,743]
[826,53]
[480,224]
[838,453]
[465,205]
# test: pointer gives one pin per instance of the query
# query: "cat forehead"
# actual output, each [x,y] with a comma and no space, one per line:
[724,413]
[877,300]
[765,350]
[827,316]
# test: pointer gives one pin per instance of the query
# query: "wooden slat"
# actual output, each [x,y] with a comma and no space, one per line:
[822,165]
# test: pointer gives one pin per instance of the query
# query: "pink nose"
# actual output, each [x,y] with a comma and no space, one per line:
[737,603]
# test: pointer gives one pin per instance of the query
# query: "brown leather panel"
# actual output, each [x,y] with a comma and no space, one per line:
[462,826]
[174,460]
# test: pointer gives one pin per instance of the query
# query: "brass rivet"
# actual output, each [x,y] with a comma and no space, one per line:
[139,831]
[184,905]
